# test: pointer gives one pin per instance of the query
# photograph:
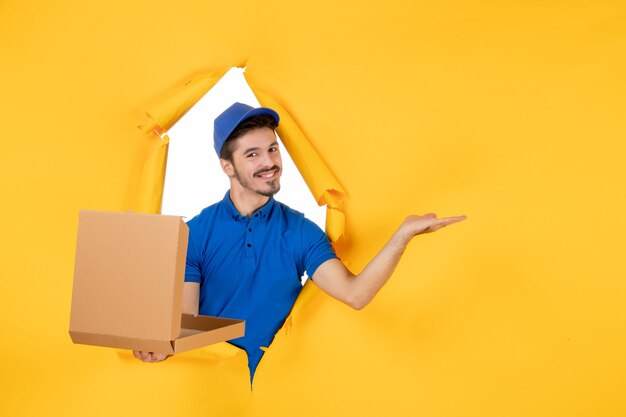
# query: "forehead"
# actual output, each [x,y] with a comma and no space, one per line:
[256,138]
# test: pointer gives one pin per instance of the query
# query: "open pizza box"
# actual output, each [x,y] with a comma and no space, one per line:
[128,286]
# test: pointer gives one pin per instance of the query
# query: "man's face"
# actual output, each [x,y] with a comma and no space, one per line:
[256,164]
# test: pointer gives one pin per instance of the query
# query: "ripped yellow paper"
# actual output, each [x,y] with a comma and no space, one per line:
[165,113]
[322,183]
[159,118]
[150,194]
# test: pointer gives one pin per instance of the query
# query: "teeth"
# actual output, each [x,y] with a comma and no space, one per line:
[267,174]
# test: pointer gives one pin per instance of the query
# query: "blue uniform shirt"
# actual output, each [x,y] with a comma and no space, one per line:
[250,267]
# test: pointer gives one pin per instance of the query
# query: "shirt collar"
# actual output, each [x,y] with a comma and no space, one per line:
[261,214]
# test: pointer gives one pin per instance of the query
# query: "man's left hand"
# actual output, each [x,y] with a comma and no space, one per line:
[415,225]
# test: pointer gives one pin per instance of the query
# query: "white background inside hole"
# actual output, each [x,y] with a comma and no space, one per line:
[194,179]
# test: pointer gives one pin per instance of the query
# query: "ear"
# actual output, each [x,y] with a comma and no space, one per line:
[227,167]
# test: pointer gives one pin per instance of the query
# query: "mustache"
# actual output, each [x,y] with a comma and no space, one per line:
[273,168]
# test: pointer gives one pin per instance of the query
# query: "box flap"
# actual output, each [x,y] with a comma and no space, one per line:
[205,330]
[121,342]
[128,276]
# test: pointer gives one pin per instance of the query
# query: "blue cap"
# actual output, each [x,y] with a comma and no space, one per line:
[226,122]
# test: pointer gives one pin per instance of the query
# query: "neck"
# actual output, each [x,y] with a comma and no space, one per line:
[247,202]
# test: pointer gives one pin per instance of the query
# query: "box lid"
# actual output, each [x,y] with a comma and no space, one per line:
[128,276]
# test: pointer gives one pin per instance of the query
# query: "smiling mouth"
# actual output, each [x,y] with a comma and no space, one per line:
[268,173]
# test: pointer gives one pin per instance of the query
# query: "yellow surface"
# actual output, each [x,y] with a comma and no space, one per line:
[509,112]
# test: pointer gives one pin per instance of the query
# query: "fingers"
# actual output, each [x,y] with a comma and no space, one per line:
[142,355]
[158,357]
[150,356]
[414,224]
[443,222]
[449,220]
[429,223]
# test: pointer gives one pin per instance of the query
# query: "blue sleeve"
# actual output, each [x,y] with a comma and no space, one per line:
[192,268]
[316,247]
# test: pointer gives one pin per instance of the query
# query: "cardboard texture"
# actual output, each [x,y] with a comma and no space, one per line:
[128,283]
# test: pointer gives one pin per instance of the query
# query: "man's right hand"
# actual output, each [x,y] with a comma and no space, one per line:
[150,356]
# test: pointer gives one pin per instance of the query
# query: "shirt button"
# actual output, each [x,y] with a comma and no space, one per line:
[249,245]
[250,229]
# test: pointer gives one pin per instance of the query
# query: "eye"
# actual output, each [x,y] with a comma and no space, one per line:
[273,149]
[251,155]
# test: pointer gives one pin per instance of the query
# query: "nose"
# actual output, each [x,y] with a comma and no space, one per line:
[271,158]
[267,158]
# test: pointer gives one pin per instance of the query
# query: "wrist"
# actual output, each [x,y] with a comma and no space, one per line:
[403,235]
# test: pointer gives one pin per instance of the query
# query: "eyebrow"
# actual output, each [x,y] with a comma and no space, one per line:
[275,143]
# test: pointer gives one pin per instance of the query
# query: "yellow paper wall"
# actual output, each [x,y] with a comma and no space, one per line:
[509,112]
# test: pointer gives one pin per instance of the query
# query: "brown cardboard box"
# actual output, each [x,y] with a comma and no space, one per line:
[128,284]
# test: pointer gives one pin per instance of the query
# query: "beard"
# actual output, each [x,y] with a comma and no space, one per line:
[273,186]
